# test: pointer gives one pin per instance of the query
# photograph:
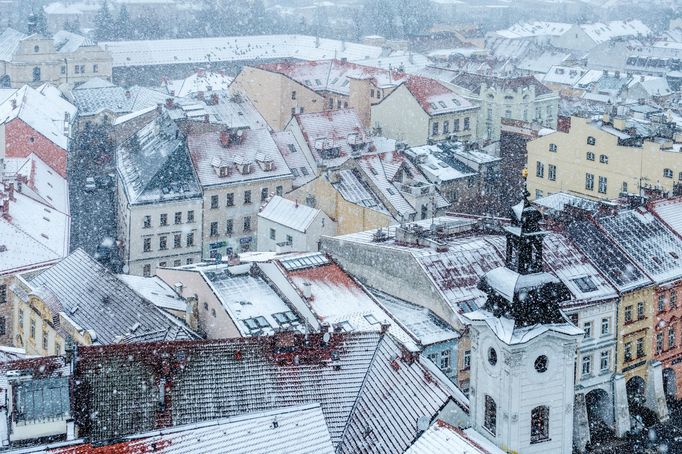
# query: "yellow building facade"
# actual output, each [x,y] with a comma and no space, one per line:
[601,159]
[349,217]
[635,332]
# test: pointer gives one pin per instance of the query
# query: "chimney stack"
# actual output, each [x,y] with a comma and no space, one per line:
[307,290]
[169,103]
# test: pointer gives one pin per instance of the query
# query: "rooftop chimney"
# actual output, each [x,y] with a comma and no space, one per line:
[169,103]
[178,288]
[225,138]
[307,290]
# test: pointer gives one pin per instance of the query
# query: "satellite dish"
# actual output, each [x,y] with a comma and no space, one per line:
[326,337]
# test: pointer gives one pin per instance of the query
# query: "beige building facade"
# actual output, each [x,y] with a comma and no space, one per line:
[602,159]
[401,116]
[159,234]
[65,58]
[276,97]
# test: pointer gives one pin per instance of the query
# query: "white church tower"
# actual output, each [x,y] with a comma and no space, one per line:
[523,349]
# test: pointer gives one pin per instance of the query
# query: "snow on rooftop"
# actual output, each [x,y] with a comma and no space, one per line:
[20,251]
[333,75]
[419,321]
[534,29]
[442,437]
[601,32]
[155,290]
[235,48]
[505,329]
[434,97]
[45,112]
[289,213]
[340,301]
[250,301]
[670,212]
[200,81]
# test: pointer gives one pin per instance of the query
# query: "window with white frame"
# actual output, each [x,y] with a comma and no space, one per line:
[586,365]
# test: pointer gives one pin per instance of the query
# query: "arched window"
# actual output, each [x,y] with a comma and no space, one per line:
[36,74]
[539,424]
[490,416]
[591,140]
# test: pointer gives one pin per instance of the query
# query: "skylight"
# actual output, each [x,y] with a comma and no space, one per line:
[585,284]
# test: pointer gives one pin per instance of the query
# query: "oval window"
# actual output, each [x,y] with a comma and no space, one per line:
[541,364]
[492,356]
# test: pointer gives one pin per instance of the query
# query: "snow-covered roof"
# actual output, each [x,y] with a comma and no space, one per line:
[350,375]
[564,75]
[97,95]
[646,240]
[47,114]
[253,149]
[339,130]
[670,212]
[559,200]
[235,48]
[505,328]
[333,75]
[200,81]
[442,437]
[66,42]
[289,213]
[20,251]
[534,29]
[154,165]
[354,190]
[419,321]
[44,223]
[155,290]
[339,300]
[97,301]
[542,62]
[437,170]
[302,170]
[434,97]
[601,32]
[250,300]
[9,40]
[41,182]
[653,86]
[380,169]
[299,430]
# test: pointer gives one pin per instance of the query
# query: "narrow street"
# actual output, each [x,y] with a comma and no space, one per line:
[93,211]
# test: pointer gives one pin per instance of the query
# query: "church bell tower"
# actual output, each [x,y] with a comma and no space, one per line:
[523,349]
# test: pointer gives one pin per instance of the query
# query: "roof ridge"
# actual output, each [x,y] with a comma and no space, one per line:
[361,389]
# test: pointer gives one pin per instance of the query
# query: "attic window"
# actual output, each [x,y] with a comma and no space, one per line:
[374,171]
[294,172]
[585,284]
[318,82]
[345,82]
[304,171]
[371,319]
[390,191]
[307,82]
[433,106]
[291,147]
[442,104]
